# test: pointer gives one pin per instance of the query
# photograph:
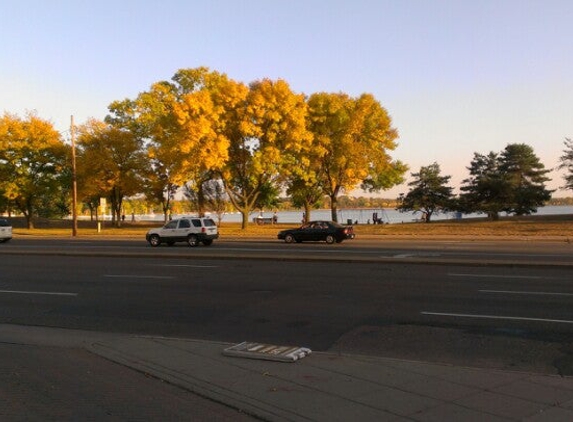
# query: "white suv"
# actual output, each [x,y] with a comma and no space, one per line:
[5,230]
[193,230]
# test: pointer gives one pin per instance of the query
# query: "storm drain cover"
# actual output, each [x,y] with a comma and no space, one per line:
[267,352]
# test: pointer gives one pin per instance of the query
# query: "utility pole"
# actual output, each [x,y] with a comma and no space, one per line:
[74,182]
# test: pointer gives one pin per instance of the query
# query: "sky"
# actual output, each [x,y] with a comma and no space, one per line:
[456,76]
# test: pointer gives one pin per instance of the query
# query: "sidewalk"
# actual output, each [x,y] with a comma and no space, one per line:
[333,387]
[324,386]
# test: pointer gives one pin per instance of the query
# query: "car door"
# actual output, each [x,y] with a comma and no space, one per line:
[319,231]
[169,231]
[314,231]
[183,229]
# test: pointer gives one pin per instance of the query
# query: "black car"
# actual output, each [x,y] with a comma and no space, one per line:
[329,231]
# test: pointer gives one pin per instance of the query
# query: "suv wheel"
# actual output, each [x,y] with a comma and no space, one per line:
[154,240]
[192,240]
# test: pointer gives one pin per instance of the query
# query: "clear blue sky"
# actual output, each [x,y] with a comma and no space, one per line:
[457,76]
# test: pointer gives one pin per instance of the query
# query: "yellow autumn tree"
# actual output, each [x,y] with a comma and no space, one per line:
[185,124]
[271,130]
[34,167]
[208,118]
[355,136]
[110,164]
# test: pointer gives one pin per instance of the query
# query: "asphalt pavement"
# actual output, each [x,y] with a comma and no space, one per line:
[318,387]
[322,386]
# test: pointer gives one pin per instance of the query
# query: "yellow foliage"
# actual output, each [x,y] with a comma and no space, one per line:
[354,135]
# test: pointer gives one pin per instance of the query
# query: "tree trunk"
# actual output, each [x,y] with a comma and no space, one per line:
[165,208]
[28,213]
[307,210]
[245,218]
[334,208]
[201,201]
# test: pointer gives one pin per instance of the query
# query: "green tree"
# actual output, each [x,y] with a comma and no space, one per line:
[486,190]
[354,136]
[429,193]
[566,162]
[306,195]
[112,161]
[34,166]
[526,176]
[512,181]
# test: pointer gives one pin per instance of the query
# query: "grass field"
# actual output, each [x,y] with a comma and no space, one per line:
[554,226]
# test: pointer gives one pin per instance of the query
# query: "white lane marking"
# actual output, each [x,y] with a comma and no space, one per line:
[157,277]
[562,321]
[21,292]
[403,255]
[530,277]
[186,266]
[414,255]
[513,292]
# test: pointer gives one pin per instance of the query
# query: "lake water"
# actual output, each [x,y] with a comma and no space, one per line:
[364,216]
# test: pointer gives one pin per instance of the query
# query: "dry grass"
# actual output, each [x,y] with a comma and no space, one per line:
[560,226]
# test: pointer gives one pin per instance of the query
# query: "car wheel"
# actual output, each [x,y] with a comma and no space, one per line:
[289,238]
[330,239]
[192,240]
[208,242]
[154,240]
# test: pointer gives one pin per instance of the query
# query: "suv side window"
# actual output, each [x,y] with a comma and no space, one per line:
[184,224]
[209,223]
[171,225]
[196,222]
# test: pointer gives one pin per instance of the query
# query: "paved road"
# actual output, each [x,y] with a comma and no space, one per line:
[525,252]
[497,316]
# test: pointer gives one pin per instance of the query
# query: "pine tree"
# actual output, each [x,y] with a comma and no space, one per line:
[429,193]
[485,191]
[512,181]
[526,176]
[566,161]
